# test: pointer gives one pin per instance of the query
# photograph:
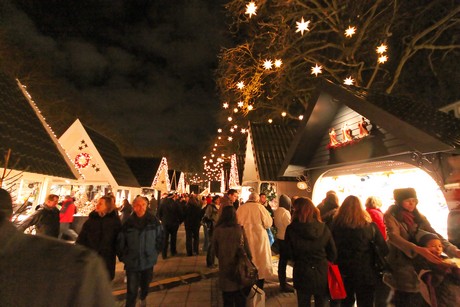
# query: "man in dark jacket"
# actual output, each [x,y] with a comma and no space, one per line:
[138,245]
[45,219]
[32,265]
[170,214]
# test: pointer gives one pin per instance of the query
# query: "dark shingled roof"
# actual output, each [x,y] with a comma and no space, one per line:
[32,148]
[113,159]
[144,169]
[271,142]
[399,126]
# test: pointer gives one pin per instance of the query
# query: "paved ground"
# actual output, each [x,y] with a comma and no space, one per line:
[186,281]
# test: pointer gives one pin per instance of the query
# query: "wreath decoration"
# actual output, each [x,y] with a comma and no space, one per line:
[82,160]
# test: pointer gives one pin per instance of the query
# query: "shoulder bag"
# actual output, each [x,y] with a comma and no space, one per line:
[380,264]
[246,273]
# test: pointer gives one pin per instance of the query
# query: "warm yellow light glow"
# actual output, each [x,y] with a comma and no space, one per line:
[225,105]
[383,59]
[316,70]
[283,114]
[350,31]
[219,137]
[270,121]
[278,63]
[232,130]
[240,104]
[250,107]
[349,81]
[204,157]
[302,26]
[300,117]
[240,85]
[235,110]
[235,126]
[251,9]
[215,144]
[214,149]
[230,138]
[382,48]
[229,118]
[219,130]
[243,130]
[268,64]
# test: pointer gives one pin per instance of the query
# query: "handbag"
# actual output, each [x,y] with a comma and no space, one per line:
[379,262]
[256,297]
[246,273]
[335,282]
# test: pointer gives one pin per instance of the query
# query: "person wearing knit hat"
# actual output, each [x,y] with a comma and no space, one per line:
[403,222]
[282,218]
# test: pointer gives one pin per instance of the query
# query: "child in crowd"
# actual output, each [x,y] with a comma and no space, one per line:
[440,284]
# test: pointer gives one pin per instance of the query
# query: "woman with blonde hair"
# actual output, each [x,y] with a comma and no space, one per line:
[310,245]
[353,231]
[100,232]
[373,205]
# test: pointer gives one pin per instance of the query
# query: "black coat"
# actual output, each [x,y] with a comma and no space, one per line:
[170,212]
[46,221]
[100,234]
[192,216]
[355,254]
[311,246]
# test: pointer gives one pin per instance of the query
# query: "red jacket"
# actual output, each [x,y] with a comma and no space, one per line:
[67,211]
[377,218]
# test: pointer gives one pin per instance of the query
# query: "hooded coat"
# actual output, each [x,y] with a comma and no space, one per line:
[282,216]
[310,246]
[100,234]
[255,219]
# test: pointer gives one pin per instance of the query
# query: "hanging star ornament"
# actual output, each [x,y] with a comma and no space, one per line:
[225,105]
[302,26]
[383,59]
[278,63]
[350,31]
[316,70]
[240,85]
[251,9]
[240,104]
[268,64]
[381,49]
[348,81]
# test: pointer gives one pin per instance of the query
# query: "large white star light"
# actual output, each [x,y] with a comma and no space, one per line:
[349,81]
[350,31]
[302,26]
[268,64]
[383,59]
[240,104]
[240,85]
[316,70]
[278,63]
[251,9]
[381,49]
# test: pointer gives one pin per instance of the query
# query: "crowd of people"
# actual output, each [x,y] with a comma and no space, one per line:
[419,270]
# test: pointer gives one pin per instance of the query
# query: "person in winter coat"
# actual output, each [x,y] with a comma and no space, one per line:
[329,208]
[211,216]
[126,210]
[31,266]
[45,219]
[228,199]
[311,246]
[192,222]
[226,241]
[171,216]
[138,245]
[282,217]
[100,232]
[373,205]
[255,219]
[403,220]
[353,231]
[66,214]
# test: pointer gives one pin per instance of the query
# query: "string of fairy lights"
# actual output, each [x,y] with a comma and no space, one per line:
[213,162]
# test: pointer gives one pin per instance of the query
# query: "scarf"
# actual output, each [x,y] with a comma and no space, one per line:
[408,219]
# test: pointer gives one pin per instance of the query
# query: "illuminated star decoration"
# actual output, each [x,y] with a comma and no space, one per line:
[251,9]
[225,105]
[268,64]
[302,26]
[383,59]
[348,81]
[250,107]
[240,104]
[240,85]
[278,63]
[316,70]
[381,49]
[350,31]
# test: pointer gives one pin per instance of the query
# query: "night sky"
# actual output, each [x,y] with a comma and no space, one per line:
[138,71]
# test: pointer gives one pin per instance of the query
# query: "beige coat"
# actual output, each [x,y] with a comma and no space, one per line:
[255,219]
